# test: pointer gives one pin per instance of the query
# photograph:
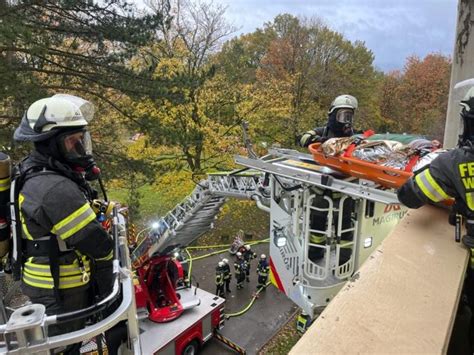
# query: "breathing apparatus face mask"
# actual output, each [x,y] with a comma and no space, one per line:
[75,148]
[345,117]
[468,126]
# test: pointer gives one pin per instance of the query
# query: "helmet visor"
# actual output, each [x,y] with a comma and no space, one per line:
[345,116]
[75,145]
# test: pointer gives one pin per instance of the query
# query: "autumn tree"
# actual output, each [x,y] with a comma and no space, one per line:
[186,48]
[415,100]
[296,67]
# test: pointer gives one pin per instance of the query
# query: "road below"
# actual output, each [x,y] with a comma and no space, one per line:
[255,327]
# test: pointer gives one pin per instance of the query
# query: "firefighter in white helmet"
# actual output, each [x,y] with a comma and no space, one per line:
[240,267]
[227,274]
[59,239]
[262,272]
[248,254]
[339,124]
[220,279]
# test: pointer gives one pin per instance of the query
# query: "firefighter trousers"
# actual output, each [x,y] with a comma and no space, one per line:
[262,281]
[220,290]
[71,300]
[240,280]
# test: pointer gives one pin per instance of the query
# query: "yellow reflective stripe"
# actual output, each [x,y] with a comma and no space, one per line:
[64,270]
[430,187]
[37,283]
[346,244]
[317,238]
[470,200]
[21,198]
[108,257]
[43,282]
[74,222]
[5,184]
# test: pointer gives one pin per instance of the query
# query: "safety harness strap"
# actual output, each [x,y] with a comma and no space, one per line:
[54,265]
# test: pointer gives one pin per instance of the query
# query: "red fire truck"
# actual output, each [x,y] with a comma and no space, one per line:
[175,318]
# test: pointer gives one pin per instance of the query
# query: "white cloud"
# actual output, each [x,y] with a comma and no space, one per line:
[392,29]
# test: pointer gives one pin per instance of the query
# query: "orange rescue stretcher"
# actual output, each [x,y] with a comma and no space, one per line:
[383,175]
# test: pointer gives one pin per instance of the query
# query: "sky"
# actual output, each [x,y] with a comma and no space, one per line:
[392,29]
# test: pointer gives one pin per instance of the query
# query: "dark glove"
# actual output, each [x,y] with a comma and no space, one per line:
[308,138]
[103,278]
[452,218]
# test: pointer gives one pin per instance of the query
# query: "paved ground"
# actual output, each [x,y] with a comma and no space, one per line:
[254,328]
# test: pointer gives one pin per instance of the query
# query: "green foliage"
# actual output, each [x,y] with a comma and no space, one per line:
[171,95]
[296,68]
[81,47]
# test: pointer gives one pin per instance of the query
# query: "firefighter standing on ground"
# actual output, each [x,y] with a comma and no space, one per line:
[451,174]
[62,241]
[248,255]
[227,274]
[220,270]
[303,322]
[262,272]
[240,267]
[339,124]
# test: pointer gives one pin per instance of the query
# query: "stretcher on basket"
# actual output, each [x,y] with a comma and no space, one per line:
[383,175]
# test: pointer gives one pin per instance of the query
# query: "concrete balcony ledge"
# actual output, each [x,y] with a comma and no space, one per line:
[403,299]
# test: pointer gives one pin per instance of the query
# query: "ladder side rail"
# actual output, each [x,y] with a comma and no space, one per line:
[362,190]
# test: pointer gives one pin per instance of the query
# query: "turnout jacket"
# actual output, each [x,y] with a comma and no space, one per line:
[52,204]
[320,135]
[450,175]
[262,268]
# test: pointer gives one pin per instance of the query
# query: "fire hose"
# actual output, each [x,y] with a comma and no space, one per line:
[252,301]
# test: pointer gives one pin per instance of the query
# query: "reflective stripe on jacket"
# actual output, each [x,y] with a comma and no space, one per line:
[53,204]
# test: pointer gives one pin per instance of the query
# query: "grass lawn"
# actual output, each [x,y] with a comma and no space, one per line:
[150,207]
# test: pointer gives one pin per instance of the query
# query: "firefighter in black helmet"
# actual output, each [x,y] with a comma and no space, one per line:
[451,175]
[62,241]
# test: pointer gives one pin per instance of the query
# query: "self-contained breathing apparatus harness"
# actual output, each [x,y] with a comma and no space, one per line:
[48,246]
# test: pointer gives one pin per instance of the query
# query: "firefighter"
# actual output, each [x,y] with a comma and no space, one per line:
[227,274]
[5,173]
[240,267]
[220,270]
[451,175]
[262,272]
[248,255]
[303,322]
[339,124]
[62,240]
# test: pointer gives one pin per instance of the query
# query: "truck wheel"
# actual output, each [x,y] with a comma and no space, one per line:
[192,348]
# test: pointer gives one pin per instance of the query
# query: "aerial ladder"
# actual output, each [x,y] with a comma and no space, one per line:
[283,183]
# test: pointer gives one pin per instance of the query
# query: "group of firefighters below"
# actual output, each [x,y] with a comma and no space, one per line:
[242,271]
[61,250]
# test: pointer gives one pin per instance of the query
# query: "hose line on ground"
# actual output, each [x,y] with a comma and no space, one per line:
[224,250]
[255,296]
[224,245]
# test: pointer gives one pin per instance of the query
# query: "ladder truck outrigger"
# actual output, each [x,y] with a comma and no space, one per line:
[283,183]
